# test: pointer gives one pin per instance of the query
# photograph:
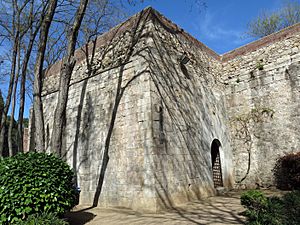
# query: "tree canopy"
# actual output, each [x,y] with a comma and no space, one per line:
[267,23]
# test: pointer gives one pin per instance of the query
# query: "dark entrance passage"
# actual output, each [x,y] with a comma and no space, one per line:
[216,163]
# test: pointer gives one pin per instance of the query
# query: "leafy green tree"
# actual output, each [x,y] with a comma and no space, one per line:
[267,23]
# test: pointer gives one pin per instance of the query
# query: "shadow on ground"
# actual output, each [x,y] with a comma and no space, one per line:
[79,217]
[214,210]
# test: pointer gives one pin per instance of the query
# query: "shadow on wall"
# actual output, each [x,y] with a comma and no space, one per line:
[83,120]
[182,168]
[181,159]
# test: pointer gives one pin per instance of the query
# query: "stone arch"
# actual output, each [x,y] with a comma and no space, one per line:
[216,163]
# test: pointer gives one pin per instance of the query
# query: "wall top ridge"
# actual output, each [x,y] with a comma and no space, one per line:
[262,42]
[151,14]
[102,40]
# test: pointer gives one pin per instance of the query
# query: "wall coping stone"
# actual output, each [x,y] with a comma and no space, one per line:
[151,14]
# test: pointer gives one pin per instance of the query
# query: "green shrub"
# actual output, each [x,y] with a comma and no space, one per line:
[42,219]
[254,199]
[262,210]
[291,211]
[33,183]
[287,172]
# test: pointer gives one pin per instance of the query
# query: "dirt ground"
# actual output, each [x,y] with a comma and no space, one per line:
[213,210]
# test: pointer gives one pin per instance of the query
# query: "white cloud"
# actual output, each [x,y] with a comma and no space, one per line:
[211,29]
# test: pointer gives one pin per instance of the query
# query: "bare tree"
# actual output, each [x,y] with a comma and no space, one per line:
[38,77]
[69,61]
[265,24]
[68,64]
[290,13]
[13,104]
[18,25]
[12,32]
[22,28]
[1,104]
[101,15]
[24,22]
[34,26]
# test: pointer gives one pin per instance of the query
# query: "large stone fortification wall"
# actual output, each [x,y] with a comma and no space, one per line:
[263,105]
[168,113]
[188,113]
[118,67]
[166,119]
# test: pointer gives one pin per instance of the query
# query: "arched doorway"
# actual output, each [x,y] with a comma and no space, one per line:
[216,163]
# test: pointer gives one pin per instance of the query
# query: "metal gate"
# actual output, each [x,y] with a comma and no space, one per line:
[216,164]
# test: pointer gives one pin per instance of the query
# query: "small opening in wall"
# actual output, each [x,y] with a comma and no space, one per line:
[185,71]
[216,163]
[183,60]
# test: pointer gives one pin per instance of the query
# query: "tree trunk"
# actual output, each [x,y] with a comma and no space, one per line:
[9,94]
[65,77]
[13,104]
[38,77]
[1,104]
[22,88]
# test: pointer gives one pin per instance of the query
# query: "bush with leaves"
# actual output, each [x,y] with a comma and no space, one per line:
[273,210]
[42,219]
[33,183]
[292,207]
[261,209]
[287,172]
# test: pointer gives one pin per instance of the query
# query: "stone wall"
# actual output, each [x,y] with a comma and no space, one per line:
[114,95]
[157,99]
[262,101]
[188,113]
[166,116]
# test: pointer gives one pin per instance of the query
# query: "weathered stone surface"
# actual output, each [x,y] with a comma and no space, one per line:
[266,78]
[176,97]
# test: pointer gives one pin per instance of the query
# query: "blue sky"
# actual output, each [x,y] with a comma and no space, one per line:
[221,26]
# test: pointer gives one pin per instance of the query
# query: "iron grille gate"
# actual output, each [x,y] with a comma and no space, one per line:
[217,172]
